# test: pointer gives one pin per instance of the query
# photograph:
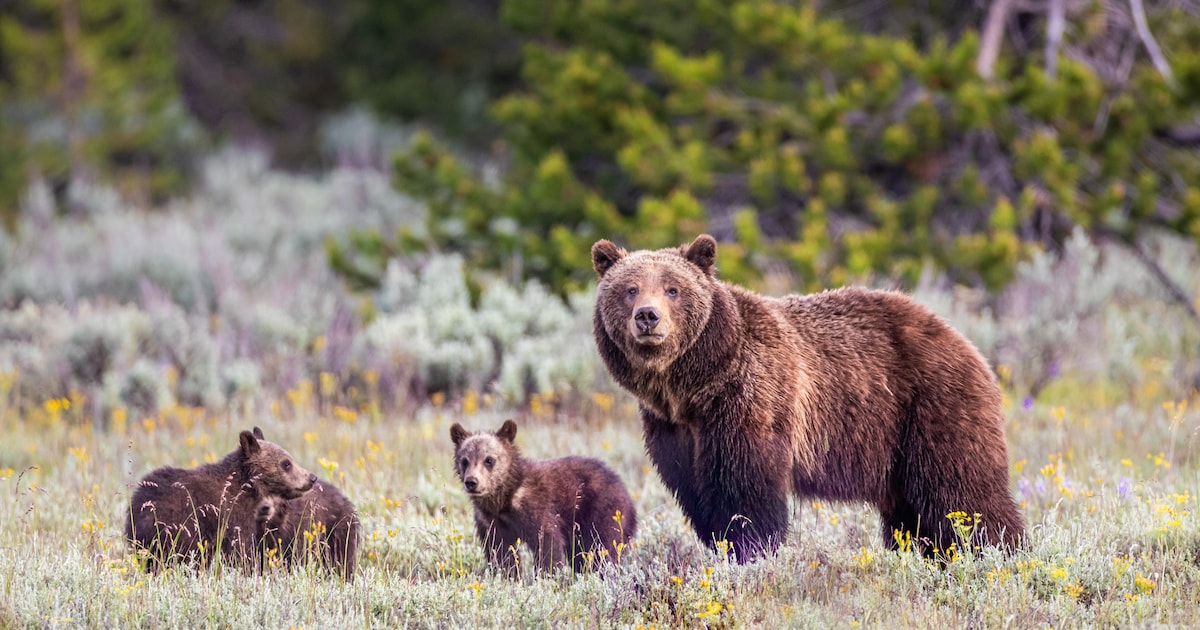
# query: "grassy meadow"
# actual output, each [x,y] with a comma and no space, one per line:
[130,341]
[1108,488]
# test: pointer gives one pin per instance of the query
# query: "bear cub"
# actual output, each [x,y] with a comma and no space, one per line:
[562,508]
[186,514]
[324,512]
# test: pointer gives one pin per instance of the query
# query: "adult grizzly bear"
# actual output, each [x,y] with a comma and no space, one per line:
[562,508]
[320,526]
[187,514]
[846,395]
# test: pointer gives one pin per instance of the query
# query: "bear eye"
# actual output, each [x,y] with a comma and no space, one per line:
[286,465]
[631,291]
[465,462]
[672,292]
[489,462]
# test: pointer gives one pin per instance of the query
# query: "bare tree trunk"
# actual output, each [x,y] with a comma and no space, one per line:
[1143,31]
[74,85]
[1055,25]
[1182,135]
[992,37]
[1178,294]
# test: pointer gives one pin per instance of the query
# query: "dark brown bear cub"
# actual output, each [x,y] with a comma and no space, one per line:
[188,514]
[321,526]
[846,395]
[562,508]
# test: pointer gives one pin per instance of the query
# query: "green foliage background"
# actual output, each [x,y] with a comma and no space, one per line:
[820,148]
[821,145]
[101,104]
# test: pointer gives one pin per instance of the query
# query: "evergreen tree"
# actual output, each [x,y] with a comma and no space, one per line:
[264,73]
[815,146]
[89,91]
[437,62]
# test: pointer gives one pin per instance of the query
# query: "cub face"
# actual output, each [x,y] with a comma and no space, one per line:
[483,460]
[273,468]
[654,304]
[270,512]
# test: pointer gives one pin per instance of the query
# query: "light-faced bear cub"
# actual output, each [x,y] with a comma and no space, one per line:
[568,510]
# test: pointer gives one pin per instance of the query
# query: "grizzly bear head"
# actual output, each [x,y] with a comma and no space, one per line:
[654,304]
[484,461]
[272,469]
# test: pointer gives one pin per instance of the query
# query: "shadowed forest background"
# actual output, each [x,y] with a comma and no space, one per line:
[357,222]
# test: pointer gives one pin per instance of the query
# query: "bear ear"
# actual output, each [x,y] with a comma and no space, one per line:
[250,445]
[508,432]
[702,253]
[458,433]
[605,254]
[258,433]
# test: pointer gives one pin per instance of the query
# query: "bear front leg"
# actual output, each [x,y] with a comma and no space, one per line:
[238,548]
[343,547]
[499,548]
[744,485]
[551,551]
[672,448]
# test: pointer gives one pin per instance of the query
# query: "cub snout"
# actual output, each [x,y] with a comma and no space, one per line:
[312,481]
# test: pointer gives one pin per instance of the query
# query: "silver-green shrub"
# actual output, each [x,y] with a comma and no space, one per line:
[1091,310]
[142,388]
[227,294]
[427,319]
[518,341]
[233,275]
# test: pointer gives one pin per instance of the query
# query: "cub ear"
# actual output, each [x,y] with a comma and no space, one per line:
[605,254]
[458,433]
[249,443]
[508,431]
[702,253]
[258,433]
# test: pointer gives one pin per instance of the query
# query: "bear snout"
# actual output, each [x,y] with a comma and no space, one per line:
[471,483]
[646,319]
[310,481]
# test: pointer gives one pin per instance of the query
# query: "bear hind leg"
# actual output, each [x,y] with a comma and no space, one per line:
[900,524]
[964,508]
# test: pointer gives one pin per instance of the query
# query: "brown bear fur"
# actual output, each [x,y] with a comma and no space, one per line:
[184,514]
[847,395]
[324,522]
[562,508]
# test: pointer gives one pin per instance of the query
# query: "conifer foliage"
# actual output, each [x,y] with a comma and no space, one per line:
[823,147]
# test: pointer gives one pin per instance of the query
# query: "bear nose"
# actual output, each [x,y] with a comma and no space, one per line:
[312,477]
[646,318]
[470,483]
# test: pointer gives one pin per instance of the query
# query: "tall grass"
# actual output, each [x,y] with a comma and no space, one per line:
[1110,494]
